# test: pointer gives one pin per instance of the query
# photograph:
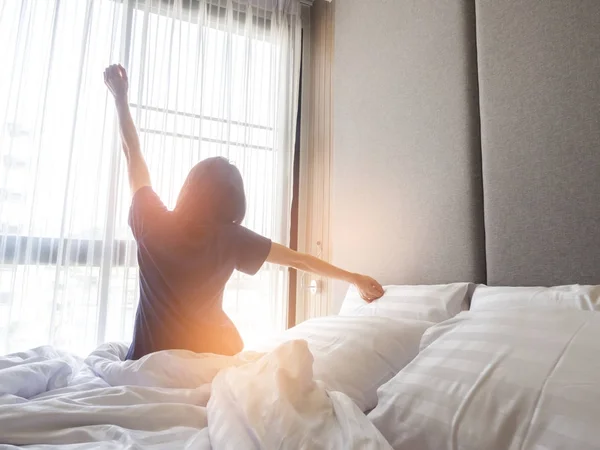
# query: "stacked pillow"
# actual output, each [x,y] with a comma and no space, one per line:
[488,298]
[433,303]
[496,380]
[368,343]
[356,355]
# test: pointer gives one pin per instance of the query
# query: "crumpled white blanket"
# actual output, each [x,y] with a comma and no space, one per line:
[176,399]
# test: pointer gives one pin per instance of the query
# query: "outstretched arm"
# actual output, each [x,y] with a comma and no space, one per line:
[369,288]
[115,78]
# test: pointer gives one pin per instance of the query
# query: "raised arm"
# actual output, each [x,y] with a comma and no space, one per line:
[369,288]
[115,78]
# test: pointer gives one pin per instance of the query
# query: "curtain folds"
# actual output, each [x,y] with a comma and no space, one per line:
[207,78]
[315,157]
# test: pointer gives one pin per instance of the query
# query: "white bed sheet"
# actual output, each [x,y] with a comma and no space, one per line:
[175,399]
[526,379]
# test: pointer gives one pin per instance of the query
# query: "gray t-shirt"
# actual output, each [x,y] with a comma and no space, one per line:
[182,277]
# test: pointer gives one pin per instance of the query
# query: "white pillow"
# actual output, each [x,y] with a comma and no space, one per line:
[434,303]
[488,298]
[496,381]
[355,355]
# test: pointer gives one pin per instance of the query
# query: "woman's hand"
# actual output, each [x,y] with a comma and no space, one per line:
[115,78]
[368,288]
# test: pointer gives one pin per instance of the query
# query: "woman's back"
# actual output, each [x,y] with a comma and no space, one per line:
[182,276]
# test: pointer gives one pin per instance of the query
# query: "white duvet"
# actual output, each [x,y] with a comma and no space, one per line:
[501,380]
[176,399]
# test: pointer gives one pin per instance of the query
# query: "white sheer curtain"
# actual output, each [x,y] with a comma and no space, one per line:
[219,78]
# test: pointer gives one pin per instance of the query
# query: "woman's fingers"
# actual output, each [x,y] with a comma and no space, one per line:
[117,70]
[373,293]
[375,289]
[122,71]
[368,296]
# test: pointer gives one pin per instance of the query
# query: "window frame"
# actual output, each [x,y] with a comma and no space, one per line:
[108,253]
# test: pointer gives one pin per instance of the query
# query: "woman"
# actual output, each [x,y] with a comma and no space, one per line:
[187,255]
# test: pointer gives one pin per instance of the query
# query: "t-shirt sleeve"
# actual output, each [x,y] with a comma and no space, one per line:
[252,250]
[146,212]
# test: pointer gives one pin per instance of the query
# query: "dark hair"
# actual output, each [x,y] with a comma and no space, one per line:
[212,194]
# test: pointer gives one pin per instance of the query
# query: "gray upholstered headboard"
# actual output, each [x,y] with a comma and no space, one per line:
[539,89]
[467,140]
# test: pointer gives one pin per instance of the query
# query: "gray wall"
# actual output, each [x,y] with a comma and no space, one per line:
[539,74]
[406,162]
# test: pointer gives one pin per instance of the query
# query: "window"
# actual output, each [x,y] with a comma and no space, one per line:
[200,86]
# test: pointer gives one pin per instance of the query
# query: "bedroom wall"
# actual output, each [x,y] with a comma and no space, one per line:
[406,168]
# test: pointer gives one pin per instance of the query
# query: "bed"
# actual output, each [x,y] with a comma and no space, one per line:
[423,368]
[306,388]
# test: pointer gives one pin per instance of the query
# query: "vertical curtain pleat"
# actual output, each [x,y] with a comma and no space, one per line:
[315,166]
[219,78]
